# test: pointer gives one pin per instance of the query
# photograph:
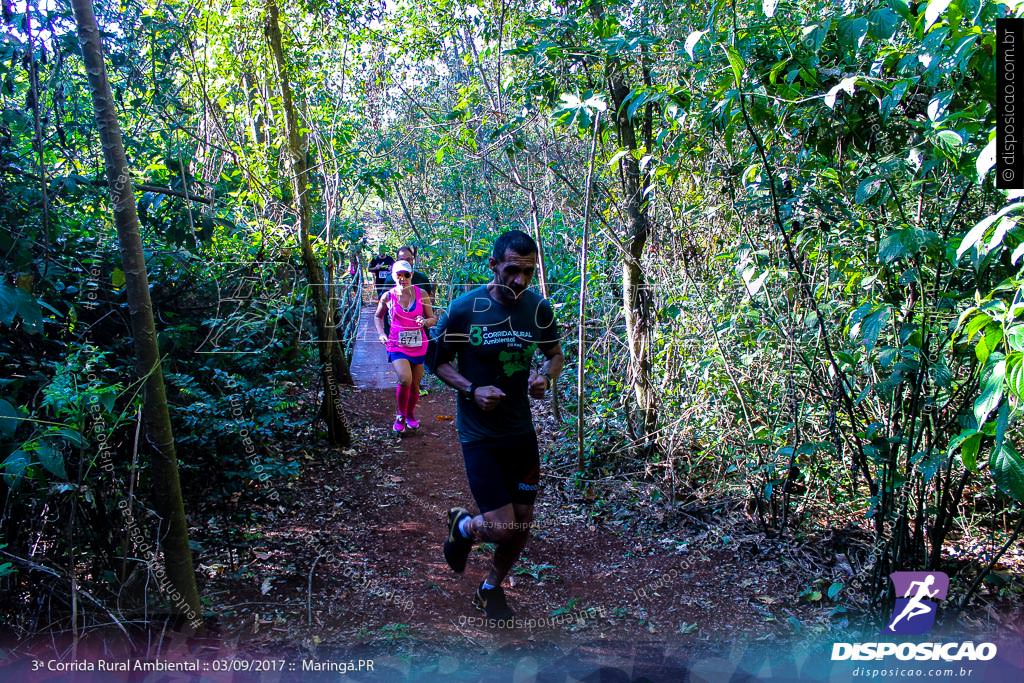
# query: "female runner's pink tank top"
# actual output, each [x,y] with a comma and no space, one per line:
[406,336]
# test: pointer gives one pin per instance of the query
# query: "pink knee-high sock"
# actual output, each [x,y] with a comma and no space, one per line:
[401,397]
[411,399]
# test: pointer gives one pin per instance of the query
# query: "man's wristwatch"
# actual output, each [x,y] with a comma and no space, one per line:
[470,393]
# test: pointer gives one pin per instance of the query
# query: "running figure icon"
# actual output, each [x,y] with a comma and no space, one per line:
[915,608]
[917,595]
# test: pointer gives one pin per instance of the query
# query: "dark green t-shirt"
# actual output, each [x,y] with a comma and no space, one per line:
[493,345]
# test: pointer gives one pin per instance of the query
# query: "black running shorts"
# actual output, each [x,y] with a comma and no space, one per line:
[503,471]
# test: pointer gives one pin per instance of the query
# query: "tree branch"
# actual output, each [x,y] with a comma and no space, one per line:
[102,182]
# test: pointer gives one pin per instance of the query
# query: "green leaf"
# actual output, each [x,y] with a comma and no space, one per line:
[14,302]
[974,236]
[14,467]
[971,10]
[892,248]
[948,139]
[977,323]
[867,189]
[1015,374]
[52,460]
[895,96]
[934,11]
[986,160]
[10,417]
[928,463]
[872,327]
[72,436]
[967,442]
[1015,337]
[1007,468]
[835,589]
[813,36]
[107,400]
[635,100]
[117,278]
[903,243]
[939,105]
[978,232]
[852,33]
[1002,422]
[8,303]
[989,342]
[777,68]
[751,174]
[882,23]
[736,62]
[1004,225]
[847,85]
[1017,253]
[691,42]
[901,7]
[969,451]
[991,387]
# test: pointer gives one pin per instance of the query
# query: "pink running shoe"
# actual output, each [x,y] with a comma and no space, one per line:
[412,423]
[399,425]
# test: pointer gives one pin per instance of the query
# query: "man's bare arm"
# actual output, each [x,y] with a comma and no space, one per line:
[539,381]
[450,376]
[554,363]
[487,397]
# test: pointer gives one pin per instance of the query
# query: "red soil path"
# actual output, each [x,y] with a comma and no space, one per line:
[356,553]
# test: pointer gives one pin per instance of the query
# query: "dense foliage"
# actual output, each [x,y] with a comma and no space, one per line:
[802,286]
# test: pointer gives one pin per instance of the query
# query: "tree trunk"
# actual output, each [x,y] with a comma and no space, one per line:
[254,115]
[167,487]
[295,165]
[636,298]
[581,361]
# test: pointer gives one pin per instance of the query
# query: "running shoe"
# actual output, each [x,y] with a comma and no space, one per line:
[456,547]
[492,602]
[399,425]
[412,423]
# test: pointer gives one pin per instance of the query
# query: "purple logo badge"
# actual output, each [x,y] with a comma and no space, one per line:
[916,596]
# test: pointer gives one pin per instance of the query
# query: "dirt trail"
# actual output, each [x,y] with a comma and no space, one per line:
[357,553]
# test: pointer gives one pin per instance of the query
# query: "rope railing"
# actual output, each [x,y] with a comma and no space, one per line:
[350,304]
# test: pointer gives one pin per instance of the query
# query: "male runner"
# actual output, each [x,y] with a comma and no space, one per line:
[408,253]
[493,333]
[380,266]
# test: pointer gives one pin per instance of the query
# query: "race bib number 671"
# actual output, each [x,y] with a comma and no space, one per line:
[410,338]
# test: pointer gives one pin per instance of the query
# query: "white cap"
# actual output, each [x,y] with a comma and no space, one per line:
[400,266]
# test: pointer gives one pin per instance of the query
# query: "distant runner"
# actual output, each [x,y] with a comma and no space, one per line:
[380,267]
[409,253]
[408,308]
[493,333]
